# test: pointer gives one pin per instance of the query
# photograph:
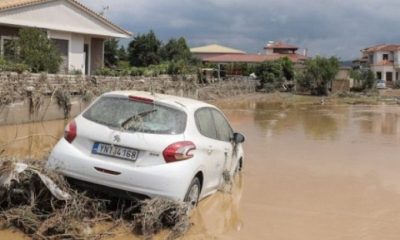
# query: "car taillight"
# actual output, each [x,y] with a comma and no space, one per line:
[179,151]
[70,131]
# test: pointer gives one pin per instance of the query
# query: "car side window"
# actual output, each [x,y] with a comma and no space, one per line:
[224,130]
[205,123]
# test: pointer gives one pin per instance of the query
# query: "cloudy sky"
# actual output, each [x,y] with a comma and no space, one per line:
[325,27]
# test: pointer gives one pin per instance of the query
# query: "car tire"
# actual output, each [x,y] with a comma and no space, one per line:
[193,193]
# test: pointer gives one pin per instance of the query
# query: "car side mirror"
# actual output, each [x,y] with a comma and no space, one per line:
[238,138]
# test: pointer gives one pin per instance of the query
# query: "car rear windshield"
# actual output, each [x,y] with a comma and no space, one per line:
[136,116]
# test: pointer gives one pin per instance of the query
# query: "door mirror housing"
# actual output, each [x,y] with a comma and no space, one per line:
[238,138]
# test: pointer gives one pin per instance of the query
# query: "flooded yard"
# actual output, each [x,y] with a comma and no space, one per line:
[311,172]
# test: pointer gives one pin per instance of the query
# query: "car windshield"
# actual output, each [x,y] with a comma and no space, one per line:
[117,111]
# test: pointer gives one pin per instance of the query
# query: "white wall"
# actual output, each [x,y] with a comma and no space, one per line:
[76,55]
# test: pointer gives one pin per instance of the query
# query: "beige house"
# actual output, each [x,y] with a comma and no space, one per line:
[79,32]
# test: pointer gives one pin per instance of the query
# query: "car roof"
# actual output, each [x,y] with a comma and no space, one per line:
[180,102]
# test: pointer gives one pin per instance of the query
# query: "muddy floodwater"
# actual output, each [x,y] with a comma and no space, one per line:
[311,172]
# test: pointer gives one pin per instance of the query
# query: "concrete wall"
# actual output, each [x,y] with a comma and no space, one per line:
[32,97]
[76,55]
[340,85]
[96,54]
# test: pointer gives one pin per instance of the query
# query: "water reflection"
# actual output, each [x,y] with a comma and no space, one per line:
[317,122]
[382,121]
[219,214]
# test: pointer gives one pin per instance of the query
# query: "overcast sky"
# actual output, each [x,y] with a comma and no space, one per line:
[325,27]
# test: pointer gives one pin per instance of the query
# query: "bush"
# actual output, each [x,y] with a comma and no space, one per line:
[37,51]
[7,66]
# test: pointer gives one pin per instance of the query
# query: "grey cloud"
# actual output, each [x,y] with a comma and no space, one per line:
[335,27]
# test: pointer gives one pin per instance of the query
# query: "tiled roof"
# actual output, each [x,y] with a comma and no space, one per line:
[252,58]
[215,48]
[280,45]
[383,47]
[7,4]
[12,4]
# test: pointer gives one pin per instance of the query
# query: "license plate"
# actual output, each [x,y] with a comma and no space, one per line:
[115,151]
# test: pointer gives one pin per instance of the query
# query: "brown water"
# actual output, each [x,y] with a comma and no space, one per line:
[311,172]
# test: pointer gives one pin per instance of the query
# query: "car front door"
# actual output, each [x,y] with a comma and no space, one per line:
[212,150]
[225,135]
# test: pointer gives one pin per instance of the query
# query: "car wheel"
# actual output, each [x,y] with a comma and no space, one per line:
[193,193]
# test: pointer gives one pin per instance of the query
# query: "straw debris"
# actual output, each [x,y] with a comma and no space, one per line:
[43,205]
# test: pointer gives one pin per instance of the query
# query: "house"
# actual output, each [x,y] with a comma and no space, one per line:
[225,55]
[78,32]
[383,60]
[280,48]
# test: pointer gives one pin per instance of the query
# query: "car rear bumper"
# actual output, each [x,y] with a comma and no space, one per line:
[165,180]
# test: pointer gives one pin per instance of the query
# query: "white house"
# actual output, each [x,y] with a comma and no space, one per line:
[384,61]
[79,33]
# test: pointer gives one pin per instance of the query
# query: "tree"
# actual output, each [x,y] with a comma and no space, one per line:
[176,50]
[111,53]
[37,51]
[287,68]
[319,72]
[122,54]
[144,50]
[274,73]
[270,74]
[364,76]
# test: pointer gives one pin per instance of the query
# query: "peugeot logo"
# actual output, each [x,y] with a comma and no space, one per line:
[117,138]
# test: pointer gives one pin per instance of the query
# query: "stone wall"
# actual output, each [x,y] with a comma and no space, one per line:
[36,97]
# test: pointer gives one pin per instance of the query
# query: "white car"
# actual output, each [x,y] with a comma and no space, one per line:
[381,84]
[151,145]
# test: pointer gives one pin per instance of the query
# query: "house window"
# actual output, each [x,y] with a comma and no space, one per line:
[397,75]
[63,47]
[385,57]
[9,47]
[379,75]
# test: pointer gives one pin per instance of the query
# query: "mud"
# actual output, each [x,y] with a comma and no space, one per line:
[311,171]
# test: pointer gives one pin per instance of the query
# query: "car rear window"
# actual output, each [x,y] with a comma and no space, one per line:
[145,117]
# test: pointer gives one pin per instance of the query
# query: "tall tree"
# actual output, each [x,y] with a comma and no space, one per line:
[111,53]
[144,50]
[37,51]
[176,50]
[319,72]
[122,55]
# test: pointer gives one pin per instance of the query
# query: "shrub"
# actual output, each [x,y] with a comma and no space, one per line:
[7,66]
[37,51]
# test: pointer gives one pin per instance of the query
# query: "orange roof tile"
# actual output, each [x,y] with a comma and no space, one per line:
[252,58]
[383,47]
